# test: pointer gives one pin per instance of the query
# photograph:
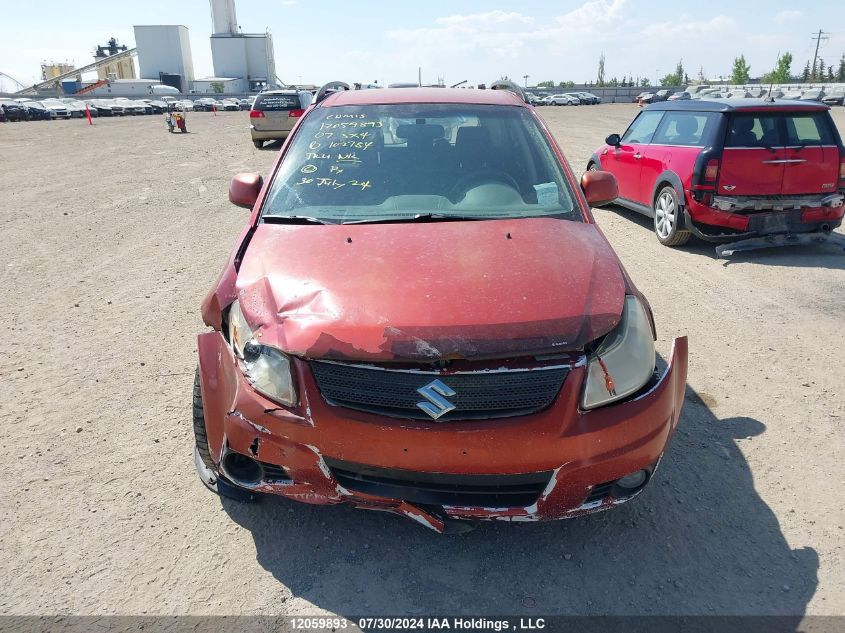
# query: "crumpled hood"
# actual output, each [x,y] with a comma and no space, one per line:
[429,291]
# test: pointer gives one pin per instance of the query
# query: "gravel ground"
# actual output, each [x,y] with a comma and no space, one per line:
[111,236]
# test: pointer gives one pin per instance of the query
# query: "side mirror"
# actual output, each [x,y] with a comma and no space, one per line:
[599,188]
[613,139]
[244,189]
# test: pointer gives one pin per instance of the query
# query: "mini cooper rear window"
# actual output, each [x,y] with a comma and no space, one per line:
[394,162]
[779,129]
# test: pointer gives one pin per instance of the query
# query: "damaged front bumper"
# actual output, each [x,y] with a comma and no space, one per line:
[323,454]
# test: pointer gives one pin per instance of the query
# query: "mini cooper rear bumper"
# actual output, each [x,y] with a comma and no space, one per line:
[554,464]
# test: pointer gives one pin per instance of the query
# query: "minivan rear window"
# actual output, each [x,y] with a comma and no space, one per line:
[277,103]
[779,129]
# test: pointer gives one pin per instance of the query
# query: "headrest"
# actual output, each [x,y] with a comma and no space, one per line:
[472,135]
[420,132]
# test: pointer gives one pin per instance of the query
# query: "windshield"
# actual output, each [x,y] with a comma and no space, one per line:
[393,162]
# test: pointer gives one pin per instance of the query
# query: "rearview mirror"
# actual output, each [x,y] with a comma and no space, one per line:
[244,189]
[599,188]
[613,139]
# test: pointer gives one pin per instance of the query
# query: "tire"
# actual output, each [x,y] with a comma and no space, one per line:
[200,435]
[593,167]
[213,480]
[667,212]
[258,144]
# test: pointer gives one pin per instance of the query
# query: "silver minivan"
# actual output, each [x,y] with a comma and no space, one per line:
[274,113]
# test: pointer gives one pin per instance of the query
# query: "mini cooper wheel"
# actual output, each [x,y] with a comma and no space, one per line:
[667,213]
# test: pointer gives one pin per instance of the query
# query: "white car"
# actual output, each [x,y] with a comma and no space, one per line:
[564,100]
[58,110]
[75,107]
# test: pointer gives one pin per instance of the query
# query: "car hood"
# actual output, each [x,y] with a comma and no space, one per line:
[430,290]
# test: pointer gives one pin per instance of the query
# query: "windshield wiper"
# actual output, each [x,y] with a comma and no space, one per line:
[420,217]
[292,219]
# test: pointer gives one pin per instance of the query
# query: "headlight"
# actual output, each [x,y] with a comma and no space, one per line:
[266,368]
[624,360]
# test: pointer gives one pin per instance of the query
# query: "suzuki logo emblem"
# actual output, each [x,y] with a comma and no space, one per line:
[436,404]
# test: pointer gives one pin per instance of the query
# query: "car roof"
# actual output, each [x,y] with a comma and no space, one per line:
[735,105]
[389,96]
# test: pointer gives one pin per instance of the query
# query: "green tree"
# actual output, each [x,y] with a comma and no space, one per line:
[840,76]
[781,73]
[645,82]
[741,71]
[546,84]
[822,70]
[831,78]
[805,76]
[217,87]
[676,78]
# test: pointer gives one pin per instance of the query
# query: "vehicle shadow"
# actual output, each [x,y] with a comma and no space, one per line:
[698,541]
[810,256]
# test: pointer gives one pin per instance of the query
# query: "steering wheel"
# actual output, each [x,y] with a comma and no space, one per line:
[480,177]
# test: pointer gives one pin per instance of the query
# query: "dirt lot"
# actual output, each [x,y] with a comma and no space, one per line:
[111,236]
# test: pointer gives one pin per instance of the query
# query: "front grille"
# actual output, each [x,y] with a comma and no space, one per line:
[478,395]
[500,491]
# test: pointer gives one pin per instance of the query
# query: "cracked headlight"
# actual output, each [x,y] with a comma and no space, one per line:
[623,361]
[266,368]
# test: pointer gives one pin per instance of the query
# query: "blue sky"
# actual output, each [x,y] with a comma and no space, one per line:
[318,41]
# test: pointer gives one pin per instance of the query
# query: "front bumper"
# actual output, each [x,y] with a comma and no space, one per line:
[580,450]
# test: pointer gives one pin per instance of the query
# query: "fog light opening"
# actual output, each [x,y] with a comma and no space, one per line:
[633,481]
[242,469]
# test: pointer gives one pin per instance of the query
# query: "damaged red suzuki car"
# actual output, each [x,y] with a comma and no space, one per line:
[422,317]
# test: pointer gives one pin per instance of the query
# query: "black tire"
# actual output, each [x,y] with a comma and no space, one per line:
[258,144]
[200,435]
[667,216]
[593,167]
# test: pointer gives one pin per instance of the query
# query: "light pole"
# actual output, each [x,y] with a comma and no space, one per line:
[525,77]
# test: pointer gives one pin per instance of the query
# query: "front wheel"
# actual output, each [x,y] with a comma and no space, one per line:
[258,144]
[667,214]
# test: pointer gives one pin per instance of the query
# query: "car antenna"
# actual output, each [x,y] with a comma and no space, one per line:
[770,98]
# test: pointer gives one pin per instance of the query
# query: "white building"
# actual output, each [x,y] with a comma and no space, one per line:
[164,54]
[247,57]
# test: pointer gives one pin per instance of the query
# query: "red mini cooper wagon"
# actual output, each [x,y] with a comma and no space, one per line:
[731,170]
[422,317]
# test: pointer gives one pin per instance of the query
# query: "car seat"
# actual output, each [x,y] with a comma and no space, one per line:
[741,132]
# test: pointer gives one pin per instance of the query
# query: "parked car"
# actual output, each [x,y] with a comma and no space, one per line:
[274,114]
[75,107]
[645,97]
[56,108]
[206,104]
[12,110]
[813,94]
[564,100]
[661,95]
[836,96]
[355,356]
[680,95]
[36,111]
[588,98]
[159,107]
[103,107]
[794,94]
[130,106]
[729,170]
[230,105]
[245,104]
